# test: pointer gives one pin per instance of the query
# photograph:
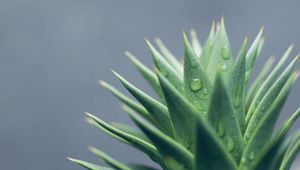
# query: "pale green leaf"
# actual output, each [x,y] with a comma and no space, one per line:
[280,87]
[148,74]
[131,103]
[165,68]
[195,43]
[135,141]
[88,165]
[268,83]
[221,57]
[237,85]
[208,47]
[259,81]
[292,152]
[109,160]
[262,131]
[158,111]
[253,53]
[169,57]
[197,85]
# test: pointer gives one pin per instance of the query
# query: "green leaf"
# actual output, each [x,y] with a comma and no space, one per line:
[182,114]
[292,152]
[158,111]
[221,56]
[253,53]
[262,131]
[282,85]
[268,83]
[88,165]
[110,161]
[131,103]
[170,149]
[130,130]
[168,56]
[223,119]
[165,68]
[196,83]
[140,167]
[289,123]
[147,74]
[272,155]
[208,47]
[259,81]
[195,43]
[210,153]
[133,140]
[237,86]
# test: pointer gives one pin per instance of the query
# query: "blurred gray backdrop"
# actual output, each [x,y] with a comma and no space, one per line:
[52,52]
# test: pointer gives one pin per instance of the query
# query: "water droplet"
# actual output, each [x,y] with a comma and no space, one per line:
[224,67]
[229,144]
[164,72]
[203,94]
[225,54]
[251,156]
[244,160]
[221,129]
[263,108]
[195,84]
[236,101]
[194,63]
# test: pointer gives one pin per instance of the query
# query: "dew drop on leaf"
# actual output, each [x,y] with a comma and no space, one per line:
[229,144]
[195,84]
[194,63]
[224,67]
[203,94]
[251,156]
[236,102]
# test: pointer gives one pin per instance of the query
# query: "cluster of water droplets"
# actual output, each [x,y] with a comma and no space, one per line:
[221,131]
[226,56]
[196,84]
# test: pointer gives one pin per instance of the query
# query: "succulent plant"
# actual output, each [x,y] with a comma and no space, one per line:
[205,116]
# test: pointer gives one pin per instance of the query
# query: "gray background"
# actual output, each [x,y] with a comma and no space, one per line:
[53,52]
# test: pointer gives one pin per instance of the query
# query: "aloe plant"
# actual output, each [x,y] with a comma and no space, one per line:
[206,117]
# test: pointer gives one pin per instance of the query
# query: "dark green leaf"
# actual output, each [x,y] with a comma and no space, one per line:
[223,118]
[173,152]
[210,153]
